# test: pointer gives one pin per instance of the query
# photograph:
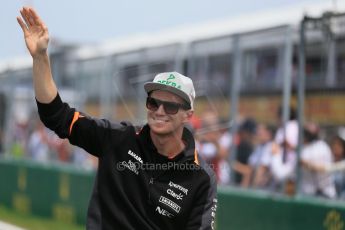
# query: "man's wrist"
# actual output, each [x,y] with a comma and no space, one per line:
[40,56]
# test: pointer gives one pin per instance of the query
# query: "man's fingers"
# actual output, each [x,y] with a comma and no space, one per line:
[22,25]
[36,19]
[29,17]
[24,17]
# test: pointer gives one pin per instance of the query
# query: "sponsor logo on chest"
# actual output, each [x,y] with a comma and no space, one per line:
[179,187]
[178,196]
[164,212]
[135,156]
[169,203]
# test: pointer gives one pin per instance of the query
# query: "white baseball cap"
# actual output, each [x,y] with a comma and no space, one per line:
[175,83]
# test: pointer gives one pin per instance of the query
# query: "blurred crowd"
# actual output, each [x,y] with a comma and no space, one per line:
[264,157]
[30,139]
[257,156]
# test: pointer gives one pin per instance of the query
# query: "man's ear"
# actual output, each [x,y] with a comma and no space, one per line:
[188,116]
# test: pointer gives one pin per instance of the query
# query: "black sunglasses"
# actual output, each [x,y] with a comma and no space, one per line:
[169,107]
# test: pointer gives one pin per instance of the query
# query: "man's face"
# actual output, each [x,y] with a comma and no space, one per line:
[162,123]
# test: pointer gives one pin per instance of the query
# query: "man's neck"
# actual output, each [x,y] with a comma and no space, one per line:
[169,145]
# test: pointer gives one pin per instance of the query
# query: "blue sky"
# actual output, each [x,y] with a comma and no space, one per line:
[86,21]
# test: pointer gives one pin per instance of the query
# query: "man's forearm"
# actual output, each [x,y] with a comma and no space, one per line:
[44,85]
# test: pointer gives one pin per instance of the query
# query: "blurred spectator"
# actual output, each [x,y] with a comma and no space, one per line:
[282,169]
[38,144]
[19,139]
[287,134]
[338,167]
[244,149]
[315,157]
[225,142]
[282,161]
[259,159]
[213,146]
[62,149]
[45,146]
[208,137]
[195,123]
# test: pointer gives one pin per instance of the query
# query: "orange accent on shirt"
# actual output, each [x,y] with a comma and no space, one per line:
[75,118]
[196,160]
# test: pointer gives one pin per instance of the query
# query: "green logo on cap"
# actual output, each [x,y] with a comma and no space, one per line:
[172,76]
[170,83]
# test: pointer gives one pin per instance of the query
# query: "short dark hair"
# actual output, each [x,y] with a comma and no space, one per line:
[248,125]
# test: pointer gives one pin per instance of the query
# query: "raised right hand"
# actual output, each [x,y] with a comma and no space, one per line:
[35,32]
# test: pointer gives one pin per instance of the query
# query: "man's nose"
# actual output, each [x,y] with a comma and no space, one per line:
[160,110]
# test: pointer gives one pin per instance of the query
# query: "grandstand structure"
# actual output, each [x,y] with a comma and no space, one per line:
[244,66]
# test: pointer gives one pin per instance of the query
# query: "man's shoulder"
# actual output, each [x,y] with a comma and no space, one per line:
[124,125]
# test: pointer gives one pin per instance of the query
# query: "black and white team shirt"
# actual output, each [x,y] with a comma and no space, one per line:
[136,187]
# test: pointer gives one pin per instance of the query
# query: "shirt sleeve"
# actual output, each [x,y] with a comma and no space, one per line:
[81,130]
[203,214]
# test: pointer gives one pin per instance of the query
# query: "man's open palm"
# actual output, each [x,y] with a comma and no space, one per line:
[35,31]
